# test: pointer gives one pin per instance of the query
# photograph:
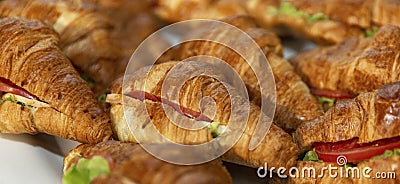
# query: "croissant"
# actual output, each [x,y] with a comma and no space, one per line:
[180,10]
[133,21]
[304,19]
[294,102]
[362,14]
[84,35]
[370,116]
[276,148]
[130,163]
[42,91]
[353,66]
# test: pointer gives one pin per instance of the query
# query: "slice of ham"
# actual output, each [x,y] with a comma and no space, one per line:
[8,87]
[141,95]
[331,94]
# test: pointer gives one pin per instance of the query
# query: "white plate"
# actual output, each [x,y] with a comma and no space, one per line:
[22,162]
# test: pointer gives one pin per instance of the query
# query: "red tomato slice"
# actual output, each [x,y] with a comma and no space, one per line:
[354,152]
[331,94]
[8,87]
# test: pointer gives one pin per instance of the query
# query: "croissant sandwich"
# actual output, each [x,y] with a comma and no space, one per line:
[363,132]
[294,102]
[116,162]
[85,35]
[40,90]
[353,66]
[145,105]
[325,21]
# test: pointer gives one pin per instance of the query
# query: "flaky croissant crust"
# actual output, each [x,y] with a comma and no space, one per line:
[31,59]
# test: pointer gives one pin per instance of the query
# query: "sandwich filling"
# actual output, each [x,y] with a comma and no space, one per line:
[353,151]
[18,95]
[328,98]
[85,170]
[8,87]
[338,94]
[288,9]
[216,128]
[141,95]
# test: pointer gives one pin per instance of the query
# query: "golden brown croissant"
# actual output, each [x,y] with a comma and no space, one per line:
[292,19]
[85,35]
[385,12]
[276,148]
[295,104]
[353,66]
[368,117]
[132,164]
[179,10]
[44,93]
[133,21]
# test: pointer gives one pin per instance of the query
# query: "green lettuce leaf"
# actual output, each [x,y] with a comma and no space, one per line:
[217,130]
[213,127]
[86,170]
[311,156]
[371,32]
[11,99]
[329,101]
[316,17]
[287,8]
[396,151]
[87,78]
[387,154]
[102,98]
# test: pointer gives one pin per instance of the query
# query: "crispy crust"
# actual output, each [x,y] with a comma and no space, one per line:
[31,59]
[370,116]
[295,104]
[355,65]
[133,164]
[386,12]
[377,165]
[85,35]
[180,10]
[277,148]
[133,21]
